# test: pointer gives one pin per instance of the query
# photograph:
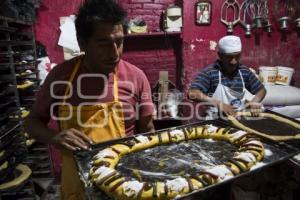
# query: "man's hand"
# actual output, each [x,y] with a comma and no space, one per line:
[72,139]
[255,108]
[225,108]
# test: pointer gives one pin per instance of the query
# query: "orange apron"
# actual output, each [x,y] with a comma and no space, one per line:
[89,117]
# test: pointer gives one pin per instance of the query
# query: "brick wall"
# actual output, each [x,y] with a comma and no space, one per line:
[151,54]
[149,10]
[151,62]
[155,53]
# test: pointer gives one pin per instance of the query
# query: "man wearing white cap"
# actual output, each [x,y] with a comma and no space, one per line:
[226,84]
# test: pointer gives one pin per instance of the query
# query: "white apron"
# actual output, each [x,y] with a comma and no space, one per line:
[230,97]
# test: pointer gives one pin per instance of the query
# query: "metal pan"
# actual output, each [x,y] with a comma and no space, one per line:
[279,151]
[8,127]
[7,138]
[7,91]
[272,129]
[296,142]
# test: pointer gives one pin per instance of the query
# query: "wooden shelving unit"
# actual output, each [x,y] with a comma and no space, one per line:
[19,82]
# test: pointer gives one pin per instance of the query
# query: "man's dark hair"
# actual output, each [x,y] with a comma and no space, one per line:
[93,11]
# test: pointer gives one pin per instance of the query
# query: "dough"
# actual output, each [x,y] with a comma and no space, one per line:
[283,137]
[104,175]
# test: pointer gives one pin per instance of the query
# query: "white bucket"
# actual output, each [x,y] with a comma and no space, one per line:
[268,75]
[284,75]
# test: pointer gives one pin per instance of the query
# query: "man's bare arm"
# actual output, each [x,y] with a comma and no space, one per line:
[259,96]
[254,105]
[198,96]
[71,139]
[145,124]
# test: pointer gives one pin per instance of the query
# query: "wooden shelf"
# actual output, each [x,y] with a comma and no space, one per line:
[4,68]
[9,102]
[153,34]
[25,75]
[18,48]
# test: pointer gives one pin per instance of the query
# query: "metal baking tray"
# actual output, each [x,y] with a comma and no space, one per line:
[272,129]
[8,91]
[8,102]
[7,127]
[7,137]
[210,153]
[8,29]
[295,142]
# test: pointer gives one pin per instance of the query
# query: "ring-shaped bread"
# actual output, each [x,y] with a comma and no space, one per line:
[237,123]
[107,178]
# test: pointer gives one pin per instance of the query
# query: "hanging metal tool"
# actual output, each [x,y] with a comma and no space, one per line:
[255,14]
[245,20]
[258,12]
[235,7]
[287,11]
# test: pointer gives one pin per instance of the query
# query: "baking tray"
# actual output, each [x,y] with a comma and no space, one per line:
[213,154]
[8,91]
[272,129]
[7,127]
[7,102]
[7,138]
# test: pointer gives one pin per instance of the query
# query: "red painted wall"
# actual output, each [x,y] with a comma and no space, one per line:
[271,50]
[153,54]
[47,24]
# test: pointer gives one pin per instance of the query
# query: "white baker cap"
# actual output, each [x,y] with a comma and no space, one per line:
[230,44]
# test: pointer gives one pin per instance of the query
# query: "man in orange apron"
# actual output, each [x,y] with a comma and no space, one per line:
[95,97]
